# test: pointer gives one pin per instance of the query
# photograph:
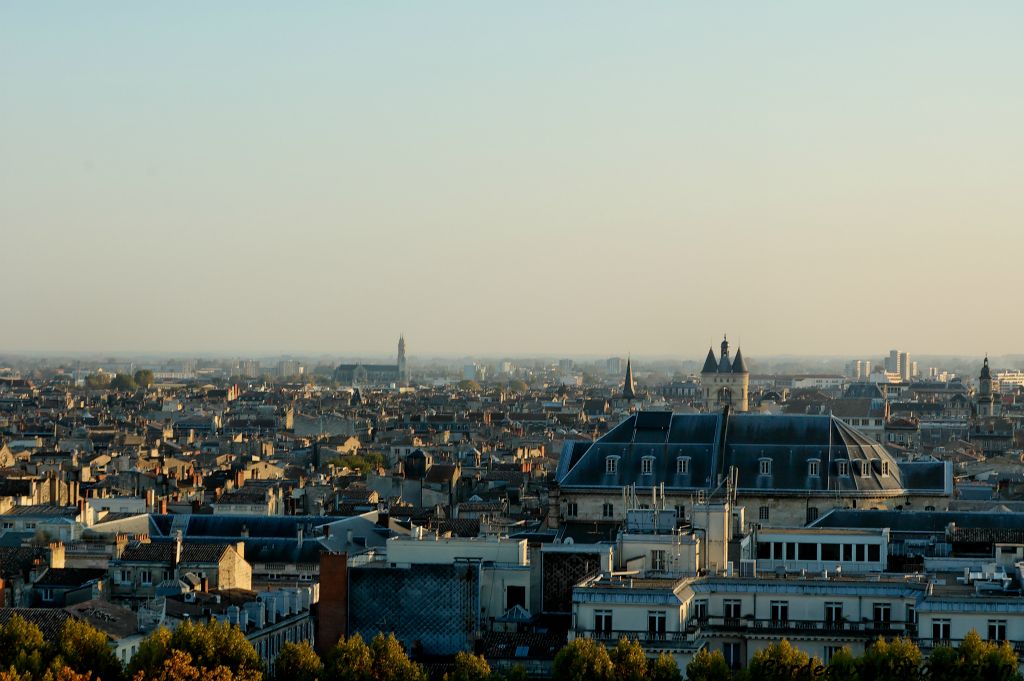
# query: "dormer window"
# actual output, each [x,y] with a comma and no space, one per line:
[813,468]
[865,469]
[842,468]
[646,465]
[765,466]
[682,465]
[885,468]
[611,464]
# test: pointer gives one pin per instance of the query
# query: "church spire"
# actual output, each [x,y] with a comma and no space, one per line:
[629,385]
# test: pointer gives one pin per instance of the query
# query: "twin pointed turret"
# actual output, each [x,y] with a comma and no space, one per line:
[724,365]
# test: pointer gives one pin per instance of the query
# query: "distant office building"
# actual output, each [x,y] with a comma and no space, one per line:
[859,369]
[615,365]
[248,368]
[904,366]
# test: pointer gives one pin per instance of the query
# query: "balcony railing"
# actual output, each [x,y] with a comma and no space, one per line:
[929,644]
[823,627]
[653,639]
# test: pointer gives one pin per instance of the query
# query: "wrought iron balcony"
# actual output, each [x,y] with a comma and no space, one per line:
[796,626]
[690,638]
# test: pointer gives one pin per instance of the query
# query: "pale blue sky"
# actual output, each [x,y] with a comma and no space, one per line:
[556,177]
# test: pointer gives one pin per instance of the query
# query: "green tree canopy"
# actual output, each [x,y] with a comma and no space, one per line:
[349,660]
[22,648]
[85,649]
[974,660]
[211,647]
[843,666]
[123,382]
[469,385]
[583,660]
[97,381]
[708,666]
[629,660]
[390,663]
[778,662]
[297,662]
[898,660]
[470,667]
[664,668]
[143,378]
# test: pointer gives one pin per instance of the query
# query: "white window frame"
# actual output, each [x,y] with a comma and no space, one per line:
[842,468]
[682,465]
[611,464]
[814,468]
[764,513]
[764,466]
[647,465]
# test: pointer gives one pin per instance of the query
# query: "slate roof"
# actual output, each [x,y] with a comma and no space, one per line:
[716,442]
[49,620]
[69,577]
[163,552]
[930,522]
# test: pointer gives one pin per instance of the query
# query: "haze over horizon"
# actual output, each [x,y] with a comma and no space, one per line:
[548,179]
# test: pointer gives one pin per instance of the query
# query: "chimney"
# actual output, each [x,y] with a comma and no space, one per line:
[204,584]
[240,548]
[120,542]
[177,547]
[163,507]
[150,500]
[57,554]
[239,479]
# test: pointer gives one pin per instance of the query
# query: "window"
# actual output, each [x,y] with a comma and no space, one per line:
[813,467]
[860,553]
[833,613]
[881,615]
[830,551]
[732,608]
[874,553]
[48,597]
[680,511]
[607,510]
[658,560]
[848,553]
[780,612]
[515,595]
[766,466]
[656,623]
[806,551]
[611,464]
[145,576]
[646,465]
[683,465]
[571,510]
[940,629]
[997,630]
[700,610]
[124,577]
[731,652]
[762,513]
[812,514]
[911,615]
[842,468]
[764,550]
[865,469]
[885,468]
[603,621]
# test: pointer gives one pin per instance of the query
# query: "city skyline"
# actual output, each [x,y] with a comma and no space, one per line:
[565,178]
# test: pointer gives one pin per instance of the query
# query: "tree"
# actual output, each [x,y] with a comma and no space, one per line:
[583,660]
[898,660]
[469,385]
[708,666]
[297,662]
[22,648]
[143,378]
[122,382]
[348,660]
[470,667]
[97,381]
[974,660]
[629,660]
[843,666]
[778,662]
[518,385]
[214,650]
[86,650]
[664,668]
[390,663]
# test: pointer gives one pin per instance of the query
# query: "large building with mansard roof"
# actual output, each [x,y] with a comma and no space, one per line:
[790,468]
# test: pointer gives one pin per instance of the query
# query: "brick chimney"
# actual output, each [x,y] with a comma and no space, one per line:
[120,543]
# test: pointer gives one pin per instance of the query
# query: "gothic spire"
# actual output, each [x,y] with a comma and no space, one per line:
[629,385]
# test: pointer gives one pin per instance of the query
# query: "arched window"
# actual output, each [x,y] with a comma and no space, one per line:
[682,465]
[646,465]
[611,464]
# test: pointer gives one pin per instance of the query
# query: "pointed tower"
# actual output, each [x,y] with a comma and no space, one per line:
[986,402]
[403,374]
[629,385]
[724,381]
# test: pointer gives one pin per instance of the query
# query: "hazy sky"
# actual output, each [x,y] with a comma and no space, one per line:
[550,177]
